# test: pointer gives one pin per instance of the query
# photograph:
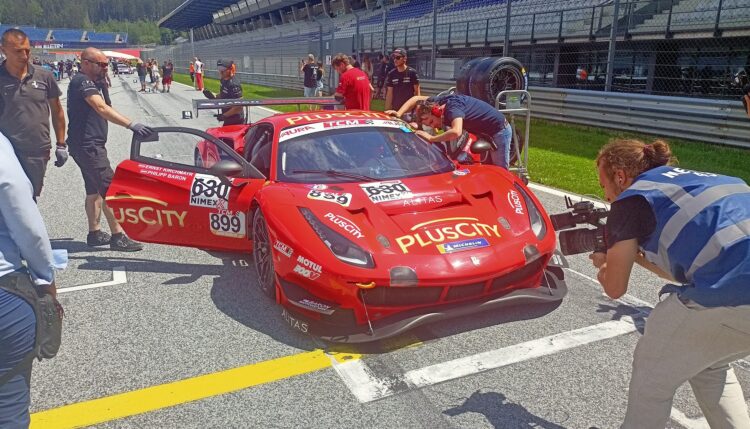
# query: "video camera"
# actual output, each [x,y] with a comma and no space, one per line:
[581,240]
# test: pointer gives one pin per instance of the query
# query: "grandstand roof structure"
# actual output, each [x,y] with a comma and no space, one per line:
[193,13]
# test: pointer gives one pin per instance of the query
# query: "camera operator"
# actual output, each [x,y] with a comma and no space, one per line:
[692,228]
[457,112]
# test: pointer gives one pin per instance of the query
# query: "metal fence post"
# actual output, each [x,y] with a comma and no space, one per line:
[434,37]
[506,41]
[385,26]
[612,47]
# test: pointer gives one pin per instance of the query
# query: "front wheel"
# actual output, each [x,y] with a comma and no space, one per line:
[263,256]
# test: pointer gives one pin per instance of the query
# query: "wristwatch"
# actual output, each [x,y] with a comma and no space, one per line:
[63,145]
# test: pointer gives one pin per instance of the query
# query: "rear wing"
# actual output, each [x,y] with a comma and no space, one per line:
[206,104]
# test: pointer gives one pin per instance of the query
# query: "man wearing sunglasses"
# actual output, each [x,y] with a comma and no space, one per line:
[402,82]
[229,88]
[28,94]
[88,114]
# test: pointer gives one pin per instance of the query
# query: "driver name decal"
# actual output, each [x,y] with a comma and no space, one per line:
[469,231]
[333,197]
[391,190]
[207,191]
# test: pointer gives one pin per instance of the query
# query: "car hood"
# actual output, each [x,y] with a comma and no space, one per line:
[475,211]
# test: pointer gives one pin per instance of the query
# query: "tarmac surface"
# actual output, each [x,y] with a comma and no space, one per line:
[178,337]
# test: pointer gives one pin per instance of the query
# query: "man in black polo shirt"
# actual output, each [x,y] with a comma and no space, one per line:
[27,96]
[230,88]
[87,136]
[402,82]
[309,70]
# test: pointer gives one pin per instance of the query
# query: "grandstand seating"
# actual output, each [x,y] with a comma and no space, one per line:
[35,34]
[93,36]
[67,35]
[692,15]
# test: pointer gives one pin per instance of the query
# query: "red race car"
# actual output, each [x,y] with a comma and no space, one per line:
[358,229]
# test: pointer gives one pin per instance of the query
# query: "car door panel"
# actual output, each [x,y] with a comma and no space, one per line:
[164,194]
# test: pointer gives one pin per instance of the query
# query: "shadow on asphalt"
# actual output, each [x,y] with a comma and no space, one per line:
[618,312]
[500,412]
[74,246]
[234,291]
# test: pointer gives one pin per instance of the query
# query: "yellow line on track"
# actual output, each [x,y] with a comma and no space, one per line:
[179,392]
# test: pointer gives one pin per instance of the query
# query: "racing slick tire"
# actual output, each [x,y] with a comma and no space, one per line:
[485,78]
[263,256]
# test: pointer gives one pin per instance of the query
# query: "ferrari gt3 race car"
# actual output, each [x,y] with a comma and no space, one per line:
[358,229]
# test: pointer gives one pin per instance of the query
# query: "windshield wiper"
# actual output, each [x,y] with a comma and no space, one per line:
[334,173]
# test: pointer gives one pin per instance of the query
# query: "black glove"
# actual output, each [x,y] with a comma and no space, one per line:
[61,153]
[140,129]
[210,95]
[220,117]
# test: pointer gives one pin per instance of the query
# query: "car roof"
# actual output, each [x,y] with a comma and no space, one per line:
[284,120]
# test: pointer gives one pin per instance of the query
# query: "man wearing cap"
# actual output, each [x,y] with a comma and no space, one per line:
[402,82]
[230,88]
[27,96]
[310,71]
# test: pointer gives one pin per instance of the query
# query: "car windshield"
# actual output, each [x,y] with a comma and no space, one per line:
[358,154]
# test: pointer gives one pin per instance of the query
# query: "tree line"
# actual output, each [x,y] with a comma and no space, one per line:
[136,17]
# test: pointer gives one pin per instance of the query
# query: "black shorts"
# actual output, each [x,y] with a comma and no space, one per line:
[35,166]
[95,168]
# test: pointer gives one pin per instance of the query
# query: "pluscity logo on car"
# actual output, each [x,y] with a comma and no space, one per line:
[207,190]
[307,268]
[469,228]
[341,199]
[515,201]
[345,224]
[151,216]
[391,190]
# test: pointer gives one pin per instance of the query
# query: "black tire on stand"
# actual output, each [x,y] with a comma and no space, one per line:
[263,256]
[485,78]
[463,78]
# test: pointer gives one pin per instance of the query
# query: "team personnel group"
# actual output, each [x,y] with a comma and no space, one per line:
[690,228]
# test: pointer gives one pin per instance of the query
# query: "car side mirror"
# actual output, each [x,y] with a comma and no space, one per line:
[226,168]
[480,147]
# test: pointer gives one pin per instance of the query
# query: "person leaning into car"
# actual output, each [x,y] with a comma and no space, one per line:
[230,88]
[458,112]
[693,229]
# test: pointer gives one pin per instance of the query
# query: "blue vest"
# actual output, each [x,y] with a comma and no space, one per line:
[702,233]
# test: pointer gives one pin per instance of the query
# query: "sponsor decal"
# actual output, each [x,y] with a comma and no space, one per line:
[392,190]
[307,268]
[337,115]
[345,224]
[460,246]
[515,201]
[294,322]
[151,216]
[283,248]
[348,123]
[463,172]
[423,200]
[341,199]
[315,306]
[470,228]
[320,187]
[291,132]
[207,191]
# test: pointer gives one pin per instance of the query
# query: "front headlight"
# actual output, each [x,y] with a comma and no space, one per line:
[535,217]
[340,246]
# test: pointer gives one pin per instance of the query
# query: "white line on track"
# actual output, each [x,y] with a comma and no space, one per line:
[366,387]
[118,277]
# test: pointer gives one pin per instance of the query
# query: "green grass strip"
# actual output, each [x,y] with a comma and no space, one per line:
[562,155]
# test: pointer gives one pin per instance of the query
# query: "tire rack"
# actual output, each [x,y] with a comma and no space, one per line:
[512,103]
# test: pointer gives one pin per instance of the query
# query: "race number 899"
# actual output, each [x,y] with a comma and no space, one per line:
[225,223]
[342,199]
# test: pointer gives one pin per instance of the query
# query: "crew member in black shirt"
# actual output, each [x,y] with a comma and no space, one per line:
[310,72]
[230,88]
[402,82]
[88,115]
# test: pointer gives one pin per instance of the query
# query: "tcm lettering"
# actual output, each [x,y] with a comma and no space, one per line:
[445,233]
[151,216]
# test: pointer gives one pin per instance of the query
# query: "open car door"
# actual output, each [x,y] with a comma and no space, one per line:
[176,189]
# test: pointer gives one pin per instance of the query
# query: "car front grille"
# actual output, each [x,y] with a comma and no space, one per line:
[386,296]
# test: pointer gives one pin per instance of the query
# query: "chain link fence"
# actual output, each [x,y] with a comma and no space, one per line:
[697,48]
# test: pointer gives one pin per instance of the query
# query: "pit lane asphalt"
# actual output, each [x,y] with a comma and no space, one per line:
[185,313]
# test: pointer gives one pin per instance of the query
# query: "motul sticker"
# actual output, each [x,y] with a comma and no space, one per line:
[207,191]
[393,190]
[307,268]
[332,197]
